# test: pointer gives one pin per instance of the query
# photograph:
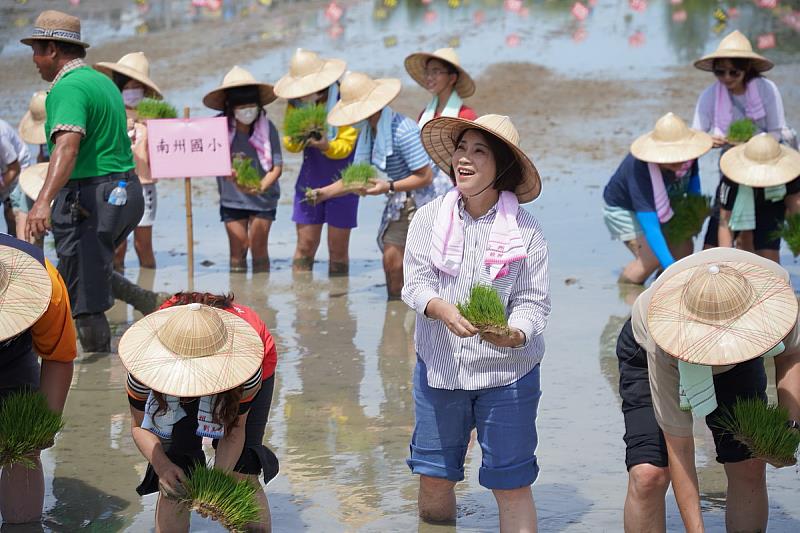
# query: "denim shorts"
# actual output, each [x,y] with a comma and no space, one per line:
[505,418]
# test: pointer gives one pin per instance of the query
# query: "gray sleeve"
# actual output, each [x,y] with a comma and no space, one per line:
[275,144]
[7,153]
[773,105]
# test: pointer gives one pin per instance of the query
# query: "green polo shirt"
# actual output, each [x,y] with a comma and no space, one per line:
[87,101]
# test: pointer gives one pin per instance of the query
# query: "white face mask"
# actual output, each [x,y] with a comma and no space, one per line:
[132,97]
[246,115]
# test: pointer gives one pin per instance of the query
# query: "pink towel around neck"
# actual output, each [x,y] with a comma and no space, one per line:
[663,207]
[503,247]
[258,140]
[723,107]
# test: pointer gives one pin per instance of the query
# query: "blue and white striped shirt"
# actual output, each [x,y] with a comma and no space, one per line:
[457,363]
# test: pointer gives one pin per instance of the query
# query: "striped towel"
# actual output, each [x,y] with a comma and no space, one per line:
[505,240]
[161,424]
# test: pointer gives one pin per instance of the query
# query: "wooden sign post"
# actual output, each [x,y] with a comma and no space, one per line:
[187,186]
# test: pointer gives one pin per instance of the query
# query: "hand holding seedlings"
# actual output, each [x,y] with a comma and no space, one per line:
[170,478]
[451,317]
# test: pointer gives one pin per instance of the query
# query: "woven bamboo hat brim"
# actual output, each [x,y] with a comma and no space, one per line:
[191,350]
[25,290]
[439,139]
[308,74]
[135,66]
[415,65]
[53,25]
[238,77]
[671,141]
[721,312]
[361,97]
[761,162]
[31,127]
[734,46]
[31,179]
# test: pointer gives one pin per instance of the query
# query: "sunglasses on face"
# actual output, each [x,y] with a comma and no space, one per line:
[733,73]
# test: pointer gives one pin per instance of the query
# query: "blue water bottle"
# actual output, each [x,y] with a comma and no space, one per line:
[119,196]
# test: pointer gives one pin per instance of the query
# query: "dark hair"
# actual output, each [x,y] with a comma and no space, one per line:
[226,406]
[241,96]
[119,79]
[740,63]
[507,166]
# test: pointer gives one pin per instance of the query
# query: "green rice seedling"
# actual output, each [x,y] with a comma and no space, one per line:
[150,108]
[741,130]
[216,494]
[310,196]
[763,429]
[246,175]
[304,123]
[790,232]
[485,310]
[27,425]
[357,175]
[689,213]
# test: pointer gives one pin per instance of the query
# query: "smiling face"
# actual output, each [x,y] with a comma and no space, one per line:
[439,76]
[474,164]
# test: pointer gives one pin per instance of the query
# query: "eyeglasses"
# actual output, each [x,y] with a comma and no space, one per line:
[733,73]
[435,73]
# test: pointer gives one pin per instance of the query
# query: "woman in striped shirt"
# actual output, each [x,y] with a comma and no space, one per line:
[239,414]
[465,379]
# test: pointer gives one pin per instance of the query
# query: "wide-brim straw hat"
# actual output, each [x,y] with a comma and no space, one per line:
[135,66]
[54,25]
[439,139]
[761,162]
[31,127]
[671,141]
[721,312]
[238,77]
[191,350]
[361,97]
[25,291]
[31,179]
[734,46]
[415,65]
[308,74]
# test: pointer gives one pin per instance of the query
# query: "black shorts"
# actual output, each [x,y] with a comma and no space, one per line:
[644,441]
[230,214]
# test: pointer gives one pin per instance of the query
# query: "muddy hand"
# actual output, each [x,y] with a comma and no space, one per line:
[514,339]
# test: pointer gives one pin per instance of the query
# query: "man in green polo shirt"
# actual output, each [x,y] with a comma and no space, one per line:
[90,156]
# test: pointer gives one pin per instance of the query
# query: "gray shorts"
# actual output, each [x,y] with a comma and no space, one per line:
[150,204]
[19,200]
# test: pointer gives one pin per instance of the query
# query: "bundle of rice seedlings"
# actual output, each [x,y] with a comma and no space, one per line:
[150,108]
[246,175]
[27,425]
[357,175]
[485,311]
[790,232]
[689,213]
[310,195]
[741,130]
[764,430]
[222,497]
[304,123]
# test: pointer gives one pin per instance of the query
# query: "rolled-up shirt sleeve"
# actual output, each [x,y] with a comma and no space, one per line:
[529,301]
[421,277]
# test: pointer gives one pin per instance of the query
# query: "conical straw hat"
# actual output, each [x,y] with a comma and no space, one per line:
[671,141]
[439,139]
[31,179]
[734,46]
[25,291]
[191,350]
[362,97]
[308,74]
[238,77]
[31,127]
[721,312]
[761,162]
[54,25]
[415,65]
[135,66]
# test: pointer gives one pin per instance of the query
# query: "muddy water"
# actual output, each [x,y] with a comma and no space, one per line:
[342,414]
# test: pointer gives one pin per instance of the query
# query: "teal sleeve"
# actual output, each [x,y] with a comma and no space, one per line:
[655,238]
[694,184]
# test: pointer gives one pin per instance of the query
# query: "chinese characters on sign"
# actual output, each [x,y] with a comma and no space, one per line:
[181,148]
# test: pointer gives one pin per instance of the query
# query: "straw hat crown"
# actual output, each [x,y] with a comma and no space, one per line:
[718,294]
[31,127]
[54,25]
[135,66]
[193,331]
[309,73]
[361,97]
[734,46]
[761,162]
[416,62]
[238,77]
[36,106]
[671,141]
[355,86]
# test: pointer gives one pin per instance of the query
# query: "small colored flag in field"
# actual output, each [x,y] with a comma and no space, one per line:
[579,35]
[512,6]
[676,2]
[679,16]
[513,40]
[430,16]
[766,41]
[333,12]
[638,5]
[636,40]
[767,4]
[479,17]
[580,11]
[335,31]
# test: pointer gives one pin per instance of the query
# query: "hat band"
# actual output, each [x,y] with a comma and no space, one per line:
[65,34]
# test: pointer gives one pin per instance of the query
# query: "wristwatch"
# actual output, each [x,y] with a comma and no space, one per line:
[391,186]
[793,424]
